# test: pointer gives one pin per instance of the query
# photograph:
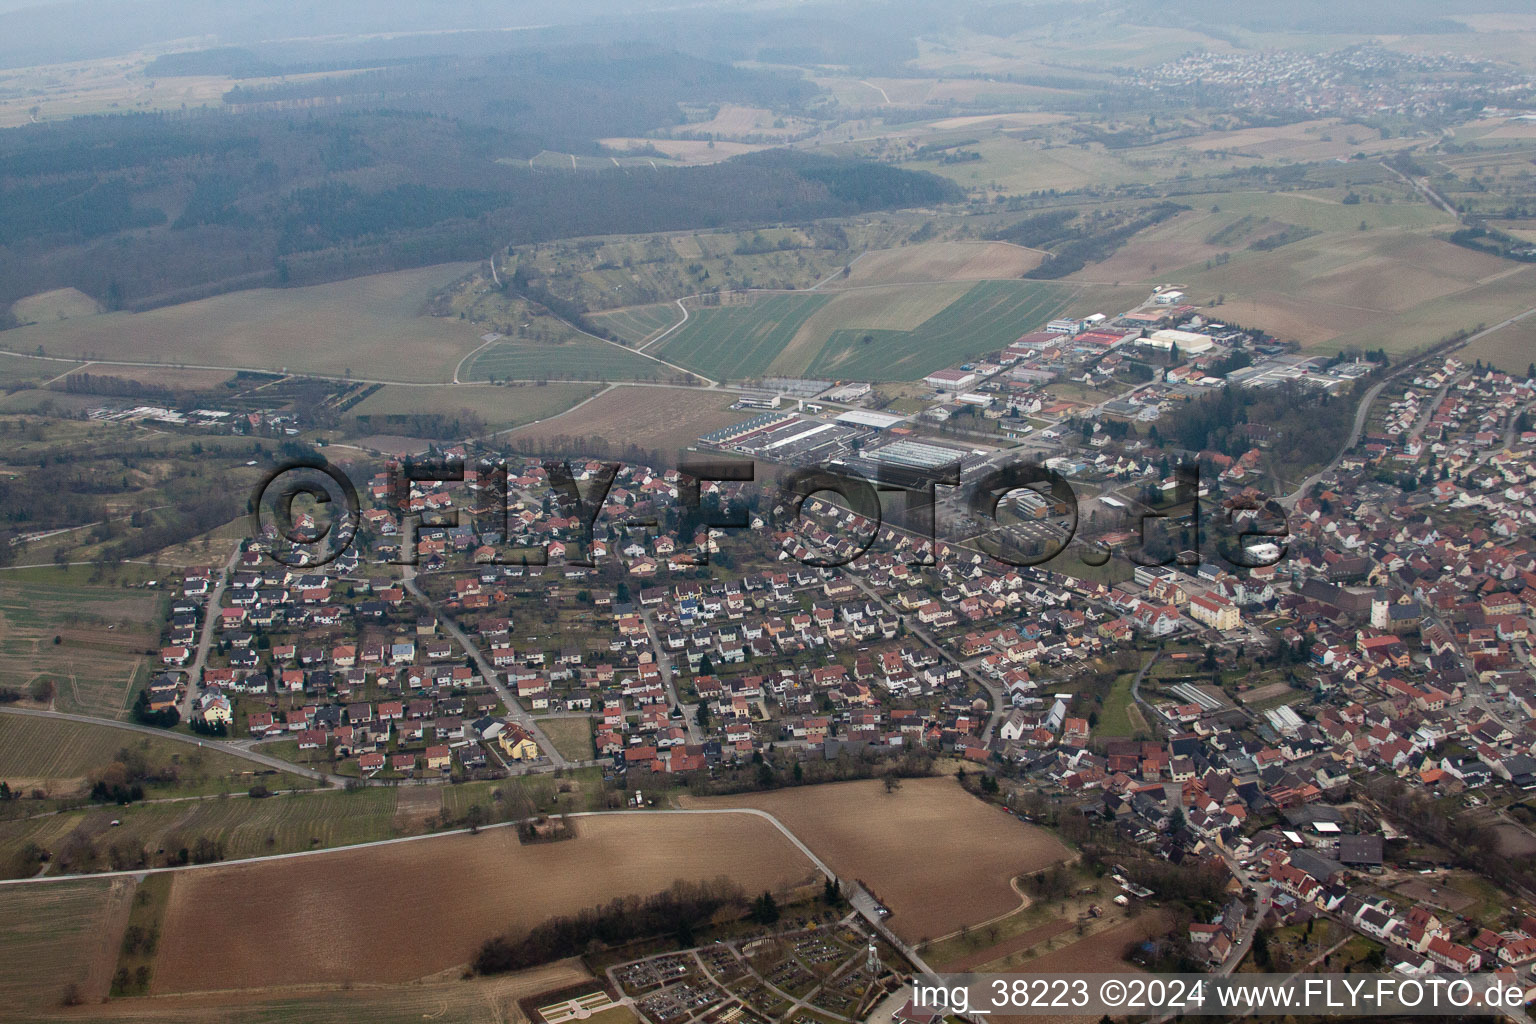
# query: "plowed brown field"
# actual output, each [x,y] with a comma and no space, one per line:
[403,911]
[937,856]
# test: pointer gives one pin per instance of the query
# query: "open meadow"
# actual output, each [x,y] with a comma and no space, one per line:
[240,825]
[664,419]
[18,371]
[60,757]
[571,736]
[1511,348]
[58,304]
[938,261]
[370,327]
[297,921]
[938,857]
[497,407]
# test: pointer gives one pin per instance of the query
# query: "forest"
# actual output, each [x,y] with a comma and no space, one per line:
[406,165]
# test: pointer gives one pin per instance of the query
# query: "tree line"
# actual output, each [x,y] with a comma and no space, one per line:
[677,911]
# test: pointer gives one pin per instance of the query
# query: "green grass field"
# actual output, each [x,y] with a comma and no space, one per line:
[498,407]
[636,324]
[987,317]
[571,736]
[734,342]
[50,753]
[1115,719]
[245,827]
[579,359]
[370,326]
[18,370]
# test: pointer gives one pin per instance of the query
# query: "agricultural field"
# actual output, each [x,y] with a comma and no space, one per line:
[367,327]
[89,640]
[663,419]
[1017,166]
[112,85]
[579,358]
[884,307]
[639,324]
[987,317]
[957,875]
[246,827]
[1366,288]
[739,341]
[59,304]
[462,1001]
[733,120]
[497,407]
[60,756]
[313,936]
[1300,142]
[1511,348]
[57,936]
[938,261]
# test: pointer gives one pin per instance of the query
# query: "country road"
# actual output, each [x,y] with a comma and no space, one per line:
[211,610]
[794,840]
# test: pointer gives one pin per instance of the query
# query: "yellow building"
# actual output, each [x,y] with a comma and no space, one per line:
[516,744]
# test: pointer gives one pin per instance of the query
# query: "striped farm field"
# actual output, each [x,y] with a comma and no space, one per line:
[56,936]
[899,307]
[986,318]
[638,324]
[735,342]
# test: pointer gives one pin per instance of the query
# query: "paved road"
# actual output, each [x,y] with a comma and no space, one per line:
[1362,413]
[515,711]
[993,691]
[1136,687]
[205,641]
[205,742]
[664,664]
